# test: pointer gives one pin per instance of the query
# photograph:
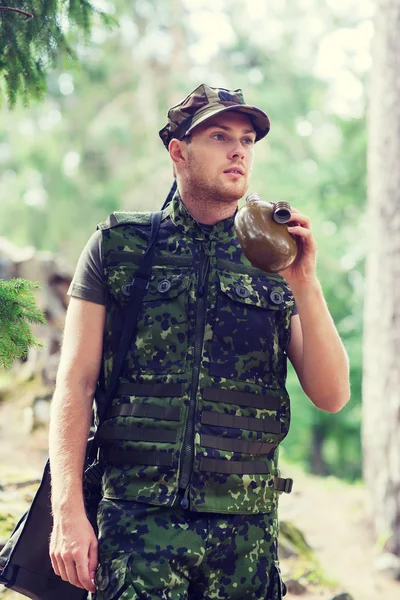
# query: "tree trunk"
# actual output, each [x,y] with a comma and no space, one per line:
[317,462]
[381,377]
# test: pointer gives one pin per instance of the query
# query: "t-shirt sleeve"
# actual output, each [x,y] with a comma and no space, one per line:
[88,281]
[295,311]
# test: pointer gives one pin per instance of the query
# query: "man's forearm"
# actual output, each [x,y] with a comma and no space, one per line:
[69,428]
[324,373]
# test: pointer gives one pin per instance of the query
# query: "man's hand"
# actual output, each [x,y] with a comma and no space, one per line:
[302,270]
[73,551]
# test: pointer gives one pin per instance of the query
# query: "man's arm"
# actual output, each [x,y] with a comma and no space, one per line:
[315,348]
[317,353]
[73,547]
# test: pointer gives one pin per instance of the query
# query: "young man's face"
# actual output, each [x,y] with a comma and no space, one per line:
[220,157]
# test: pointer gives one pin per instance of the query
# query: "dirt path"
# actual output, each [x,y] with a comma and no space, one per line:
[333,518]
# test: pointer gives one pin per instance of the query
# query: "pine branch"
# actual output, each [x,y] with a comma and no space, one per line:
[17,10]
[30,47]
[18,310]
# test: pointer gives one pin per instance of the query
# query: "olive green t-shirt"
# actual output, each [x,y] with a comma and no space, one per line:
[88,281]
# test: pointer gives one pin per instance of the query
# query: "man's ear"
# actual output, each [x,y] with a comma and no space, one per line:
[177,152]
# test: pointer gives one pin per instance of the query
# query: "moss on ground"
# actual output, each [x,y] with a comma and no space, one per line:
[7,523]
[300,558]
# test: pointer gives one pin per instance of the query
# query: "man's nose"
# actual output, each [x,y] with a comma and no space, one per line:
[236,150]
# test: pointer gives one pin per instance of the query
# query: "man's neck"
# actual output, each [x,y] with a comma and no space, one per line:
[208,210]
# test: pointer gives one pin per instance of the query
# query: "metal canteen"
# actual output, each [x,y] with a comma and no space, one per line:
[263,235]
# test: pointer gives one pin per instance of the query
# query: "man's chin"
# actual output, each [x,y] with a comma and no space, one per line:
[232,194]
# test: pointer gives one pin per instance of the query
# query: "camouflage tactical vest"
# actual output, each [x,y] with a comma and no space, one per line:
[201,404]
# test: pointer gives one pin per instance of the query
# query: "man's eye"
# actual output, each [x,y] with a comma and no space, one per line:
[249,141]
[219,136]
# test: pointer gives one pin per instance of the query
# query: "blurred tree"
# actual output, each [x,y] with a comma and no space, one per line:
[34,39]
[31,43]
[381,380]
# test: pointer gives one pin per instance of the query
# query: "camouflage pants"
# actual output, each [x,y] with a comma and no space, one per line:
[148,552]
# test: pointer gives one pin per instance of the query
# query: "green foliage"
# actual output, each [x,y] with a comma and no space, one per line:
[34,40]
[17,311]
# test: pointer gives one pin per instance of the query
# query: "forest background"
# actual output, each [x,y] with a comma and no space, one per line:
[92,146]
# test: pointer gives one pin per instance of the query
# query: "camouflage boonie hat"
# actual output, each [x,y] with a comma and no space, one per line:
[205,102]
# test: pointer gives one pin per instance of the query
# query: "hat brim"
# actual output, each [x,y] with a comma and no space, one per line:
[260,119]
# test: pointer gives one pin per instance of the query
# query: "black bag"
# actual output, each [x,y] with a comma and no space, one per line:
[25,564]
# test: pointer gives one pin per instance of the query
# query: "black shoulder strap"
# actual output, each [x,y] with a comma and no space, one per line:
[170,194]
[137,289]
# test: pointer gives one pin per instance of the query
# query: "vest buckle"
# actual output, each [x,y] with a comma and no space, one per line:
[283,485]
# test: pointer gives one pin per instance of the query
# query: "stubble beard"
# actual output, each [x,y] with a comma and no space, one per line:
[210,190]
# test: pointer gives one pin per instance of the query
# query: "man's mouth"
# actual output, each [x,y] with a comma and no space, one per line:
[235,171]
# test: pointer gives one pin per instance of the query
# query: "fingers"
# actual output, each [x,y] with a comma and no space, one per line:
[58,567]
[77,572]
[64,567]
[78,563]
[298,218]
[93,559]
[300,226]
[72,571]
[84,576]
[300,230]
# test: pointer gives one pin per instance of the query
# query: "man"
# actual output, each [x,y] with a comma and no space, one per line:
[190,448]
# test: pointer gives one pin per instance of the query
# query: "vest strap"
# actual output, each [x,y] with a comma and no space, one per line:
[283,485]
[236,445]
[222,420]
[136,434]
[115,456]
[130,317]
[218,465]
[167,413]
[241,398]
[159,390]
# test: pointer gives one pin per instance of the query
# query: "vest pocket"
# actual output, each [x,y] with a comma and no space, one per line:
[251,328]
[160,344]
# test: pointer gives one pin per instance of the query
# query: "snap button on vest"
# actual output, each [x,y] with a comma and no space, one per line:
[164,286]
[242,291]
[126,289]
[103,583]
[276,297]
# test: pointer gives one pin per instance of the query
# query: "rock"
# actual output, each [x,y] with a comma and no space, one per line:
[388,564]
[38,414]
[41,410]
[343,597]
[295,587]
[28,421]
